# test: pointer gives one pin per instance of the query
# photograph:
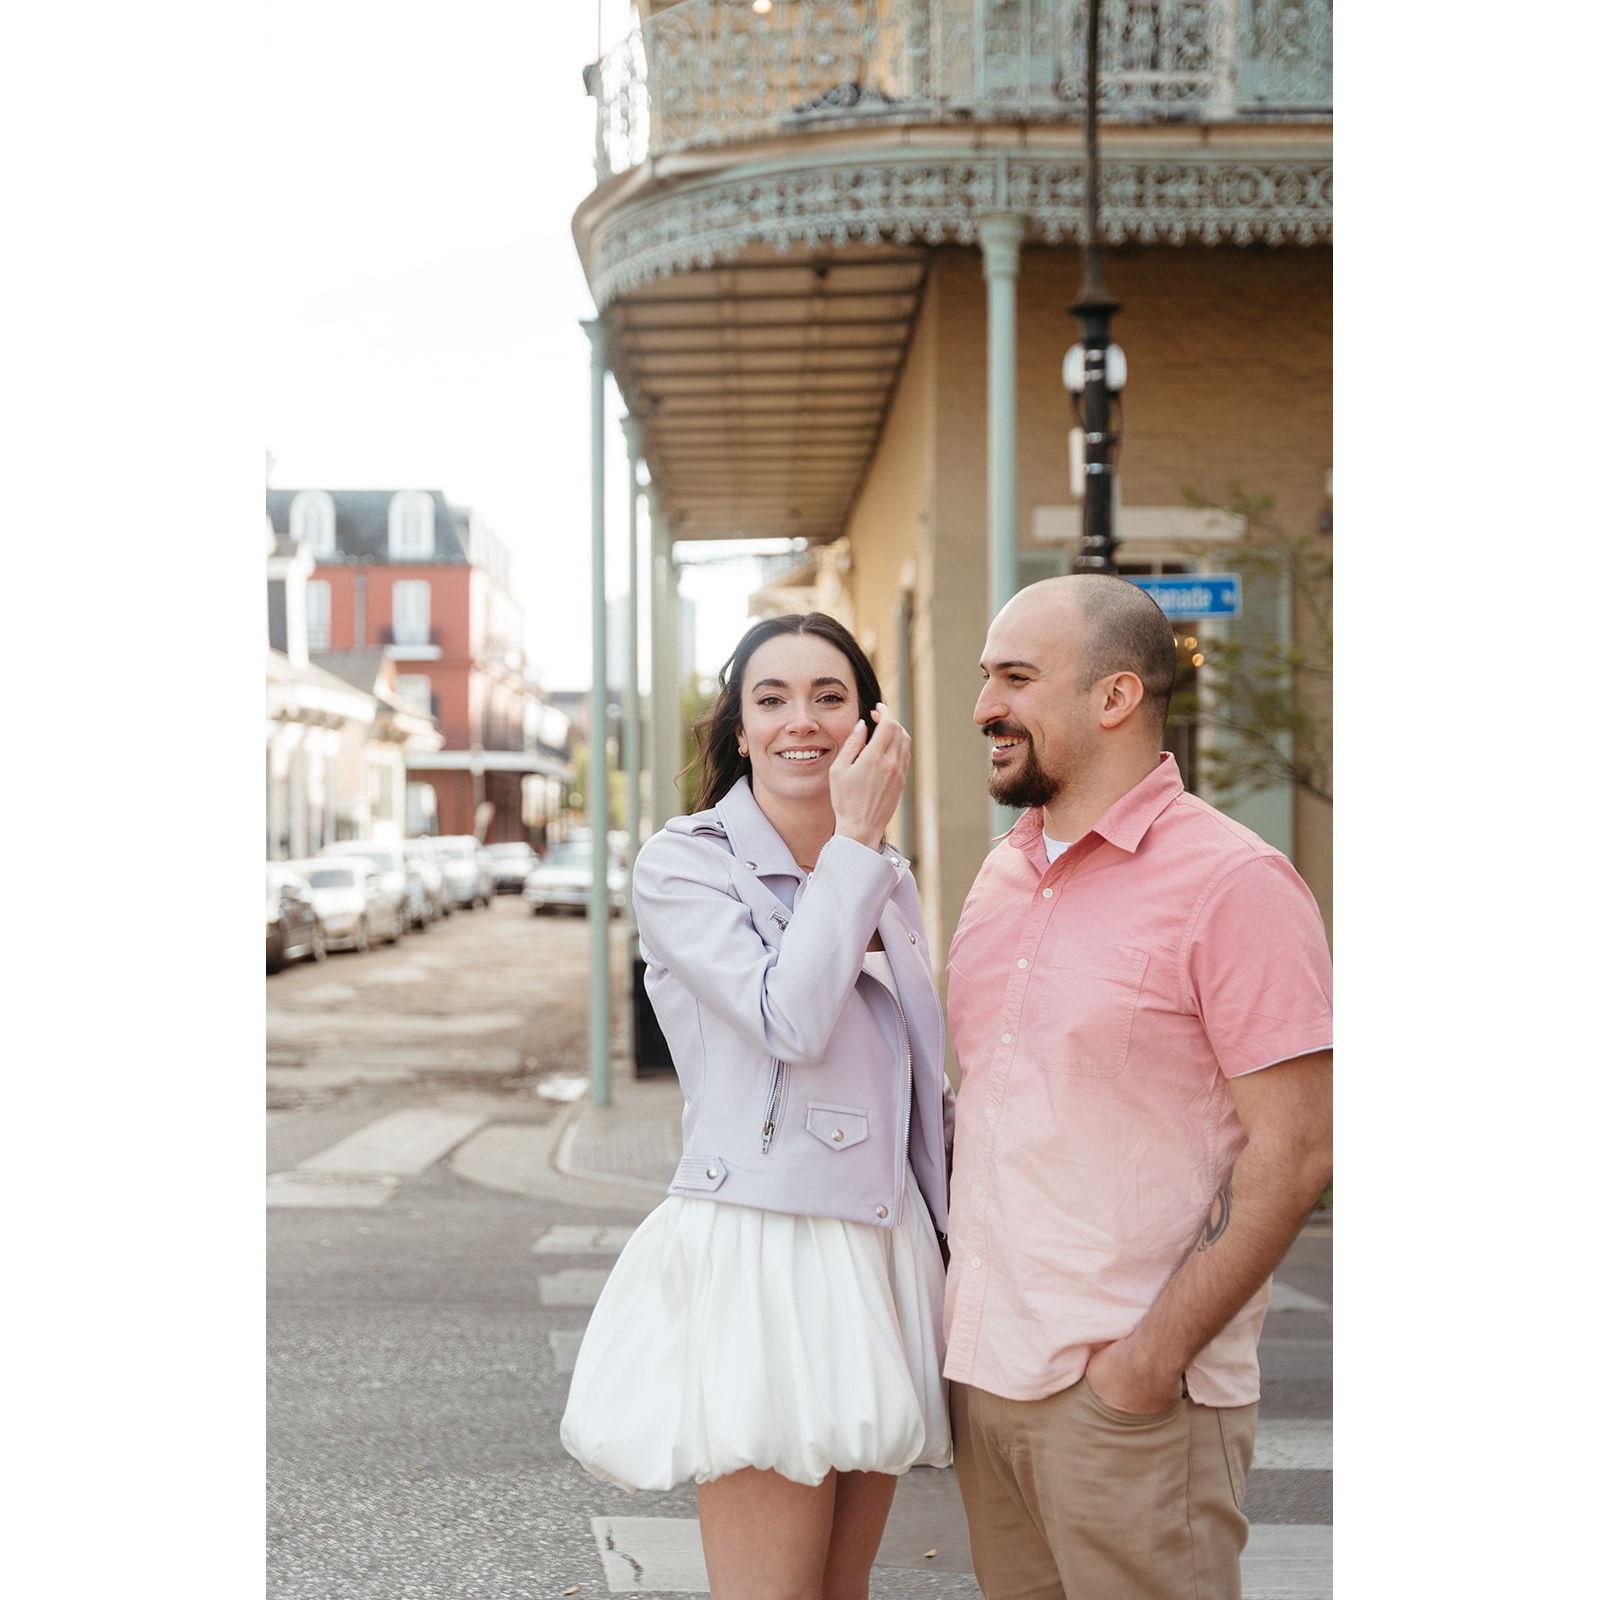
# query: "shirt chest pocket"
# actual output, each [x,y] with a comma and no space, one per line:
[1080,1009]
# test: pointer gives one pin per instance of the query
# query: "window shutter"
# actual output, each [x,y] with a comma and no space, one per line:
[411,612]
[319,614]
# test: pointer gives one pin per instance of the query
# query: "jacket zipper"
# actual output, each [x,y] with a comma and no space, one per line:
[774,1103]
[769,1123]
[905,1127]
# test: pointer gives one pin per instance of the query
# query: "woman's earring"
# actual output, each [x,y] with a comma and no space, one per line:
[743,751]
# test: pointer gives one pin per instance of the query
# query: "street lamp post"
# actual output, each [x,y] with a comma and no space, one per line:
[1087,374]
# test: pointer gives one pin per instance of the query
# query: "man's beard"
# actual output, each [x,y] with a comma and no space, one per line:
[1026,784]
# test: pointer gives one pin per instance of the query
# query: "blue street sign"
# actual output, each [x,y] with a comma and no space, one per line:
[1193,597]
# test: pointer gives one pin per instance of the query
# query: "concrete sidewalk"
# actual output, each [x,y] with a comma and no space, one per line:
[637,1139]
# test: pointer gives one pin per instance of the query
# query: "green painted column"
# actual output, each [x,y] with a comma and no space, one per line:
[1000,237]
[599,896]
[633,434]
[665,690]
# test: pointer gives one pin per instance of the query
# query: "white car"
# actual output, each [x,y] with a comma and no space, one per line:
[350,899]
[461,860]
[398,874]
[512,864]
[421,861]
[561,882]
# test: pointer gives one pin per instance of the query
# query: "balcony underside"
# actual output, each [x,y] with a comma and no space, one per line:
[763,385]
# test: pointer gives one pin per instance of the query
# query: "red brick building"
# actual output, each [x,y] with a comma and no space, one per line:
[404,570]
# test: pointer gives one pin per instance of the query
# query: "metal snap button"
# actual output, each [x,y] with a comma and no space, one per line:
[913,938]
[838,1134]
[1022,961]
[711,1172]
[883,1211]
[751,865]
[1048,893]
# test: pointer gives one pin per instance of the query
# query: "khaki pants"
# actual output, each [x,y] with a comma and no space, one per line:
[1069,1499]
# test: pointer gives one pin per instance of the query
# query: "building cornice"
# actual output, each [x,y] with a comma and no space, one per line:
[1208,195]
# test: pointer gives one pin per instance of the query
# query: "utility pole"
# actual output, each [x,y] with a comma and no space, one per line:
[1094,308]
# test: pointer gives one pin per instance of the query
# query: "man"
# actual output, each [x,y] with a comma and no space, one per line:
[1139,1003]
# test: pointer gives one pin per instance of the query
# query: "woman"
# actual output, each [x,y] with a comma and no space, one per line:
[772,1331]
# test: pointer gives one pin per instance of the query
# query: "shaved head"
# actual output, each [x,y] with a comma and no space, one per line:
[1120,629]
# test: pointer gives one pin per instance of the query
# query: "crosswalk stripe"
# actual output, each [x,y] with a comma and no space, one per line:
[403,1143]
[328,1190]
[658,1555]
[564,1344]
[566,1240]
[1294,1444]
[1285,1297]
[663,1555]
[572,1286]
[1288,1561]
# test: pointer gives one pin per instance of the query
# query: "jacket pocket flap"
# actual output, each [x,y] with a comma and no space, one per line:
[838,1127]
[703,1174]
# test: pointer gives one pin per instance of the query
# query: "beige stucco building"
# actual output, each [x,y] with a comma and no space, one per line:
[803,243]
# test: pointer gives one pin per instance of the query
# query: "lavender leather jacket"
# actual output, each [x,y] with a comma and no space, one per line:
[804,1089]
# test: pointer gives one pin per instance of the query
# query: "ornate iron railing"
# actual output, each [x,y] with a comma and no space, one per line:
[705,72]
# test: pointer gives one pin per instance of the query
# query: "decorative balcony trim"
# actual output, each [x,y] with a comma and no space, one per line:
[702,73]
[934,200]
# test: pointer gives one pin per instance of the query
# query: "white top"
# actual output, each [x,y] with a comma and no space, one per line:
[876,963]
[1056,847]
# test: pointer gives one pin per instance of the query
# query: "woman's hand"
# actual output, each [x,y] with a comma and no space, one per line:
[866,779]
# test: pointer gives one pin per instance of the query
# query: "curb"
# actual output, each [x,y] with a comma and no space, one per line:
[560,1159]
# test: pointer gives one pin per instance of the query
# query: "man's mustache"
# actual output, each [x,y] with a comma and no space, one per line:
[1002,730]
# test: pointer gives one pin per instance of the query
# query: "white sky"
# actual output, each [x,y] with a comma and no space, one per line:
[423,326]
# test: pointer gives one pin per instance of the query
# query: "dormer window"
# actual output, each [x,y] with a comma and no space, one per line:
[311,522]
[411,526]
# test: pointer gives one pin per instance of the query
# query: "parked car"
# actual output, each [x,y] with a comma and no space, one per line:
[561,882]
[512,863]
[421,857]
[399,874]
[352,902]
[462,859]
[294,930]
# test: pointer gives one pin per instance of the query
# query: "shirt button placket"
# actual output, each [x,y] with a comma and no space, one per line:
[969,1311]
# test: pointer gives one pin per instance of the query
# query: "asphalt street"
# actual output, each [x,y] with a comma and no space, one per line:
[430,1272]
[412,1391]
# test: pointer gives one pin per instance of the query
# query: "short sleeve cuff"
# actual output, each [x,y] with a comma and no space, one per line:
[1269,1046]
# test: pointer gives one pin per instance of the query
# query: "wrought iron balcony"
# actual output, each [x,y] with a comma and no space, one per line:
[707,72]
[409,637]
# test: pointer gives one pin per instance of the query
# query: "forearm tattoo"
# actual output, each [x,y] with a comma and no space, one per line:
[1216,1223]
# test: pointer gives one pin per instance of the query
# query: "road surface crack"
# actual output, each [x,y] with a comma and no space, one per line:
[638,1570]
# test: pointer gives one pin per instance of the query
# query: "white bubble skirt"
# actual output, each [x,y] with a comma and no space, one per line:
[731,1337]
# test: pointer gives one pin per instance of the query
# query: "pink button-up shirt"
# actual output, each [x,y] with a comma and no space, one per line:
[1098,1006]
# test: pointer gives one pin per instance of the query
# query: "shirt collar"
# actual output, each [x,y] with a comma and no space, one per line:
[1124,822]
[759,845]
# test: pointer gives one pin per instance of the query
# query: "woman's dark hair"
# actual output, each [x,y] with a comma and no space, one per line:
[717,764]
